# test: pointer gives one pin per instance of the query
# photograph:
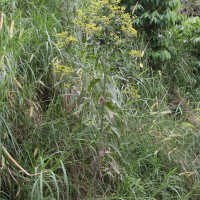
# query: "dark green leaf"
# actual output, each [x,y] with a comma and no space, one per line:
[109,105]
[92,83]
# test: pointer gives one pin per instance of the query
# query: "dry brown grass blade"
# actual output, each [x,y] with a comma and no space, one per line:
[1,22]
[172,151]
[11,29]
[134,8]
[2,57]
[17,194]
[190,174]
[155,104]
[31,57]
[19,85]
[42,83]
[31,111]
[15,182]
[185,173]
[21,32]
[15,162]
[175,135]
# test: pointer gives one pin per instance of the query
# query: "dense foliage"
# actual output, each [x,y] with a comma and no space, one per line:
[155,18]
[84,111]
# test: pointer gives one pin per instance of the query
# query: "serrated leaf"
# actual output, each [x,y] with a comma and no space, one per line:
[112,90]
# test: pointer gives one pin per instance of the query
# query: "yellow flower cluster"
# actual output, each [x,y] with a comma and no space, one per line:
[91,28]
[67,85]
[64,40]
[117,39]
[198,119]
[188,125]
[106,15]
[62,35]
[133,92]
[136,54]
[64,70]
[105,20]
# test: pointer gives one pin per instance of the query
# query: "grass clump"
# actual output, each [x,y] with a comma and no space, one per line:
[83,115]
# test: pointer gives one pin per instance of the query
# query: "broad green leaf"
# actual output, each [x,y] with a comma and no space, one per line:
[113,91]
[92,83]
[97,98]
[109,105]
[145,15]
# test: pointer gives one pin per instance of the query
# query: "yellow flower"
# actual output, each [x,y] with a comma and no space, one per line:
[133,92]
[126,92]
[61,68]
[62,35]
[72,39]
[188,125]
[136,53]
[67,86]
[104,13]
[64,40]
[198,119]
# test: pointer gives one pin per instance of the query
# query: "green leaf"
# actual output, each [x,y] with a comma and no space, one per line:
[97,98]
[114,129]
[92,83]
[119,77]
[73,98]
[155,13]
[145,15]
[113,91]
[109,105]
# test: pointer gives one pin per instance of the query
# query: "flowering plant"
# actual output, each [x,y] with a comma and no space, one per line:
[105,18]
[102,38]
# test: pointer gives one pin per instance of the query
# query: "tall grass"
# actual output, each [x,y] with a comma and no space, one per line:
[50,132]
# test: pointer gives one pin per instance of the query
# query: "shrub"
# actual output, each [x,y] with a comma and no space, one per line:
[155,18]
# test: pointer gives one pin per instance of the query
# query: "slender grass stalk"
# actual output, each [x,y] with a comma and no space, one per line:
[103,107]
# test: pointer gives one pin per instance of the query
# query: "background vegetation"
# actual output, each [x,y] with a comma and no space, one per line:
[96,105]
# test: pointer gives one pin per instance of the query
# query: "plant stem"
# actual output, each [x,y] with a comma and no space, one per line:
[103,107]
[101,147]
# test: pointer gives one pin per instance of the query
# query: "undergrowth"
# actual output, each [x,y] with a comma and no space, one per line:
[57,140]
